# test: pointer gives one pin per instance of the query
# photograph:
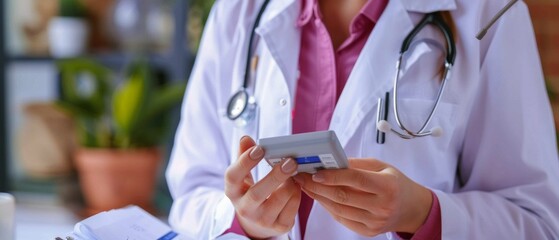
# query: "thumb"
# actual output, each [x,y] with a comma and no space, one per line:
[245,143]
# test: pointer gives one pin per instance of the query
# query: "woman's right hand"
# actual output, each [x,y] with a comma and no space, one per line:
[266,208]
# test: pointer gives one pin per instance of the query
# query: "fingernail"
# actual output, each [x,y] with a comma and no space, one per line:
[299,179]
[245,136]
[318,177]
[257,153]
[289,166]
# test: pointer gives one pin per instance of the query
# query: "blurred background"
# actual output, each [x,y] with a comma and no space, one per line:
[90,88]
[91,91]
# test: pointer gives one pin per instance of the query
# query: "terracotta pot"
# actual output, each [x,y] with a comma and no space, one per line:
[112,178]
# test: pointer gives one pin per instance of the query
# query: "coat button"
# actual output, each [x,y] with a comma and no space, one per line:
[283,102]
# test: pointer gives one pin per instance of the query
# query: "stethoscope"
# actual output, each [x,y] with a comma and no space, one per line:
[242,106]
[383,126]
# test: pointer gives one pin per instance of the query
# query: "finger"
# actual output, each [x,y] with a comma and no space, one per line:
[286,218]
[245,143]
[370,164]
[357,227]
[240,169]
[277,201]
[339,194]
[262,189]
[239,172]
[345,211]
[367,181]
[244,164]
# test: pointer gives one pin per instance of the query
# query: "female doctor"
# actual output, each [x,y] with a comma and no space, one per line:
[488,169]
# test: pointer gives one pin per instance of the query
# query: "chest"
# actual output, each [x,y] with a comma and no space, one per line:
[355,115]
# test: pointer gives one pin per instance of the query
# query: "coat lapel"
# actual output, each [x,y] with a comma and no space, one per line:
[282,38]
[276,78]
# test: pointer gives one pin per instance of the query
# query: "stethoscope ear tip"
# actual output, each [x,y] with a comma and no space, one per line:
[437,132]
[384,126]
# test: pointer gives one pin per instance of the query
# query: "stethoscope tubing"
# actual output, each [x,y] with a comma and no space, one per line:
[251,43]
[433,19]
[421,132]
[243,92]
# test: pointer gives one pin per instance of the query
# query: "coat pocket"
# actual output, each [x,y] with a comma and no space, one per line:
[413,114]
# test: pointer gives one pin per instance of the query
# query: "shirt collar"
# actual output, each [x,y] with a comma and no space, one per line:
[371,10]
[307,11]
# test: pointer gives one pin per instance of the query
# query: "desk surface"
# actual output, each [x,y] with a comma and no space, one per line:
[41,217]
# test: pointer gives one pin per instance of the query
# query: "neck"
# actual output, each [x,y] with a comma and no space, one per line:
[337,16]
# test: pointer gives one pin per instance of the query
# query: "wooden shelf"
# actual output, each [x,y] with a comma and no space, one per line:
[109,59]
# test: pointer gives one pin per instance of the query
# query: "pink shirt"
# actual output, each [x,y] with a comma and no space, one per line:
[324,72]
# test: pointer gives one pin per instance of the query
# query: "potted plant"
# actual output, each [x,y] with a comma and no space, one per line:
[68,32]
[119,130]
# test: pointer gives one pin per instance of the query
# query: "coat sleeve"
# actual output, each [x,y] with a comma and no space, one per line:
[508,166]
[201,151]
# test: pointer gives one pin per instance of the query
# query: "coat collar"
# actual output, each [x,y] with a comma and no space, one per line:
[279,24]
[426,6]
[277,7]
[281,35]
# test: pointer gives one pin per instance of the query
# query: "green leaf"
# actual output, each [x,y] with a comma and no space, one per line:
[154,121]
[71,8]
[78,72]
[93,133]
[84,91]
[163,100]
[127,103]
[136,114]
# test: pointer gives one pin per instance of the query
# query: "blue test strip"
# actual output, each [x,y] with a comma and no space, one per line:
[307,160]
[170,235]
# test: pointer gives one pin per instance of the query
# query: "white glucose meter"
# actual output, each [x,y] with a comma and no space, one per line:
[312,151]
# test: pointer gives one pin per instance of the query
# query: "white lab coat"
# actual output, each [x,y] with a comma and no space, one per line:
[495,170]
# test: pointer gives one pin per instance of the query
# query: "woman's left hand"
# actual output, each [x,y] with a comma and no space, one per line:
[370,197]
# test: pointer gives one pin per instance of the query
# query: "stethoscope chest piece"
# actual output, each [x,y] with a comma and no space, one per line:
[241,108]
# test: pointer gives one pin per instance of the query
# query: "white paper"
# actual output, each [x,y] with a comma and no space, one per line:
[132,223]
